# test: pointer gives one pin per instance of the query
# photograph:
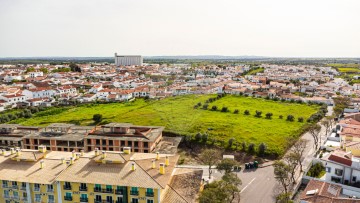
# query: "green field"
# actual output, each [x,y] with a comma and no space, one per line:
[349,70]
[178,115]
[256,70]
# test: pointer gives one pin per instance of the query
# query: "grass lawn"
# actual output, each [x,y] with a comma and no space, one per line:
[349,70]
[178,115]
[254,71]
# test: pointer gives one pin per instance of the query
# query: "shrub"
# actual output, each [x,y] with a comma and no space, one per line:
[301,119]
[198,137]
[290,118]
[316,170]
[247,112]
[281,116]
[258,114]
[214,108]
[236,111]
[231,142]
[224,109]
[205,106]
[251,148]
[243,146]
[262,149]
[204,138]
[269,115]
[97,118]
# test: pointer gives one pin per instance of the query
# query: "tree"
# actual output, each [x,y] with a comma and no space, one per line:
[198,137]
[204,138]
[226,165]
[247,112]
[214,108]
[236,111]
[97,118]
[243,146]
[44,70]
[315,133]
[258,113]
[262,149]
[300,119]
[210,157]
[299,149]
[74,67]
[205,106]
[221,191]
[224,109]
[269,115]
[292,161]
[327,124]
[290,118]
[251,148]
[281,116]
[282,176]
[231,142]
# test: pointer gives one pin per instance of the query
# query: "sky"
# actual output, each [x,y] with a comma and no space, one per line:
[85,28]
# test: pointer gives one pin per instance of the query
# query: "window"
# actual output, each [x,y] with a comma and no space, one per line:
[328,169]
[149,201]
[108,188]
[335,179]
[50,188]
[354,179]
[14,183]
[338,172]
[36,187]
[146,144]
[16,194]
[98,197]
[120,200]
[97,187]
[6,193]
[110,142]
[83,187]
[149,192]
[67,186]
[23,185]
[134,191]
[83,198]
[122,143]
[134,200]
[37,198]
[51,198]
[5,183]
[68,196]
[109,198]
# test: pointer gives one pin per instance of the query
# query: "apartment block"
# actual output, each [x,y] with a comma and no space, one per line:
[94,177]
[116,136]
[11,135]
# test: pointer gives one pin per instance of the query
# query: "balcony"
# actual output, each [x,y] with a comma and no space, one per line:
[24,199]
[83,188]
[51,201]
[149,194]
[37,199]
[103,190]
[119,192]
[5,186]
[36,189]
[67,187]
[15,197]
[84,199]
[50,190]
[23,188]
[103,201]
[134,192]
[6,196]
[14,187]
[68,198]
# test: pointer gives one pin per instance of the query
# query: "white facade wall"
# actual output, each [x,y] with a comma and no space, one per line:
[129,60]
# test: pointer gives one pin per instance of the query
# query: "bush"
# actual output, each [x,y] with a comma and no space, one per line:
[214,108]
[290,118]
[243,146]
[258,114]
[247,112]
[236,111]
[231,142]
[301,119]
[204,138]
[269,115]
[262,149]
[251,148]
[281,116]
[198,137]
[224,109]
[317,170]
[205,106]
[97,118]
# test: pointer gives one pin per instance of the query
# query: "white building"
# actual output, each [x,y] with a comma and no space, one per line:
[128,60]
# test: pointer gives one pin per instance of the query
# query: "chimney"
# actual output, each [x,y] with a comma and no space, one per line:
[77,156]
[157,156]
[162,168]
[18,152]
[42,164]
[82,152]
[133,166]
[127,150]
[166,161]
[3,151]
[73,155]
[42,148]
[103,155]
[63,160]
[12,150]
[96,151]
[72,160]
[153,164]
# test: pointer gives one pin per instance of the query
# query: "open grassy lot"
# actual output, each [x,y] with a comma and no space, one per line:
[349,70]
[178,115]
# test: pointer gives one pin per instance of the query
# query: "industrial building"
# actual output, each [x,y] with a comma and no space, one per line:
[128,60]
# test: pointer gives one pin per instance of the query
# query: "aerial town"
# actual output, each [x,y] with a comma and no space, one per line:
[162,101]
